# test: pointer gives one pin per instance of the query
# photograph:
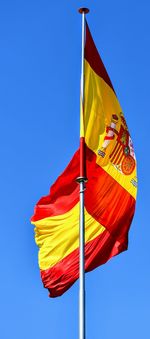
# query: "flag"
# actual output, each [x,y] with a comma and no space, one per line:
[110,190]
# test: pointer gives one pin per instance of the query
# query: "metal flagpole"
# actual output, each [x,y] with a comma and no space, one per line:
[81,180]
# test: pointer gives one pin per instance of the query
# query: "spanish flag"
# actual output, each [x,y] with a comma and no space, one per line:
[110,190]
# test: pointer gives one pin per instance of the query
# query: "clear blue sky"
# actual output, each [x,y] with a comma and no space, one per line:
[39,131]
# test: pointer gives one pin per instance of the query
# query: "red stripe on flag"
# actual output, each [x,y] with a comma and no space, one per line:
[61,277]
[64,194]
[94,59]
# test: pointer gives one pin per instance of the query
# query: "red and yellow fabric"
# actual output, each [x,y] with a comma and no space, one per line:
[110,191]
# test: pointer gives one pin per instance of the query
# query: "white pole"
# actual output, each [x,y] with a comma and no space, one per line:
[82,268]
[82,57]
[82,221]
[82,180]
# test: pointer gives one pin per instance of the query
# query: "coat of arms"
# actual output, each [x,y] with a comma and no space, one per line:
[121,154]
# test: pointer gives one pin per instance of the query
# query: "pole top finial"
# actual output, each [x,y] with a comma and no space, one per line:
[83,10]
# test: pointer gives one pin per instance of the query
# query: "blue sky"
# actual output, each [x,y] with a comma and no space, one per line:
[39,131]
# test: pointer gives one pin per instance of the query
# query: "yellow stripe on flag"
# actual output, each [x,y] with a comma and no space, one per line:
[101,104]
[58,236]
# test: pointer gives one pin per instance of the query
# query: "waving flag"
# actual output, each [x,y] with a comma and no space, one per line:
[110,191]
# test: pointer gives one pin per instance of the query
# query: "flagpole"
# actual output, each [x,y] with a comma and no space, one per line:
[81,180]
